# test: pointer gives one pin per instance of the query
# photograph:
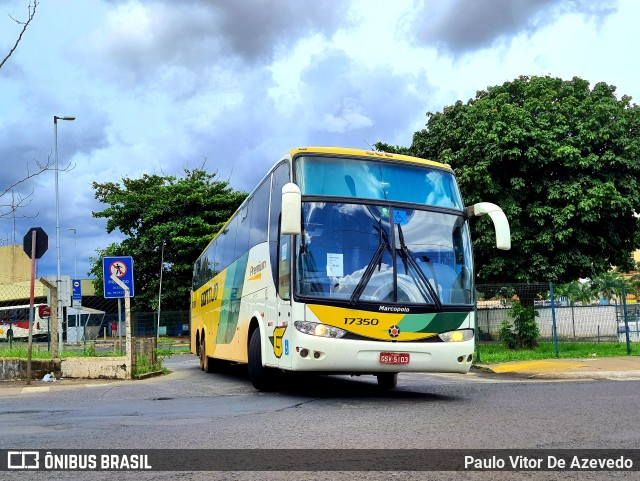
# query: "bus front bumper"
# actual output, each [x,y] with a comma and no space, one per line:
[354,356]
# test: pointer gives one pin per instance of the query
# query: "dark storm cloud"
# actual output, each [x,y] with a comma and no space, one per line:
[197,34]
[254,28]
[28,140]
[460,26]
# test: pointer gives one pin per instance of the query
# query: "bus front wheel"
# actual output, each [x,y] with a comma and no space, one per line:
[262,378]
[387,380]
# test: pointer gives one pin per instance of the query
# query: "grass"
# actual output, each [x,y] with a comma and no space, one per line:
[144,365]
[20,350]
[494,353]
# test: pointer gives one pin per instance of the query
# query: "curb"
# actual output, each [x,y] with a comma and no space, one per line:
[611,375]
[482,368]
[630,375]
[147,375]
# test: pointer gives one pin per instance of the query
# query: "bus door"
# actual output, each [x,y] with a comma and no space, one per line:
[282,332]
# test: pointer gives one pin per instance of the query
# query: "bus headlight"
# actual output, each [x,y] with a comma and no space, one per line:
[319,329]
[460,335]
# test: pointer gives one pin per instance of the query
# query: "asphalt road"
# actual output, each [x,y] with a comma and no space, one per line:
[191,409]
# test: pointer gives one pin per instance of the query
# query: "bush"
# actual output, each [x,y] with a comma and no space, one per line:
[524,333]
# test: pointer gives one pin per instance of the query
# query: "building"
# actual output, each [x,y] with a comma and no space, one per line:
[15,265]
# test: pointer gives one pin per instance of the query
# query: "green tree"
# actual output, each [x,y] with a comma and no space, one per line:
[608,285]
[634,285]
[524,332]
[561,160]
[577,291]
[184,213]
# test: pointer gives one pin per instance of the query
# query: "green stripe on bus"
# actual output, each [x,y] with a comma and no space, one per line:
[231,295]
[437,322]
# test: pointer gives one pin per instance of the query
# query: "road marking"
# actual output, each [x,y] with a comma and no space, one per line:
[27,390]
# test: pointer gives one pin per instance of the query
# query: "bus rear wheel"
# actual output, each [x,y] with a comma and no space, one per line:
[387,380]
[202,355]
[262,378]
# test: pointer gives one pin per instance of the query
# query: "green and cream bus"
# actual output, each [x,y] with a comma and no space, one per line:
[342,261]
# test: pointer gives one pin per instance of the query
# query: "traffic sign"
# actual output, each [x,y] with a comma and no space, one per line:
[77,293]
[44,311]
[122,268]
[42,242]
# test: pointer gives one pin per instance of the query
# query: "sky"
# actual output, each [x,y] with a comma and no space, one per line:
[157,86]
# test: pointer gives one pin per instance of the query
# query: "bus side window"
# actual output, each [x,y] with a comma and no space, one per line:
[284,268]
[279,178]
[260,214]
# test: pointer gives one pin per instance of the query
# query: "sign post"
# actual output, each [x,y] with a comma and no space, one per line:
[127,316]
[53,312]
[35,244]
[117,276]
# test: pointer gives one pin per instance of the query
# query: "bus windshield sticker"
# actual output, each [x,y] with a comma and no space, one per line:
[400,216]
[335,266]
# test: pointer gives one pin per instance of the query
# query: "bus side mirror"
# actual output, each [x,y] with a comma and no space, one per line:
[291,219]
[500,222]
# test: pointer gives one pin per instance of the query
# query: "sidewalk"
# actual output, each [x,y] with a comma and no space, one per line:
[618,368]
[14,388]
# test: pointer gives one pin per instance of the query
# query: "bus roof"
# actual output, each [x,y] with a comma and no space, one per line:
[366,153]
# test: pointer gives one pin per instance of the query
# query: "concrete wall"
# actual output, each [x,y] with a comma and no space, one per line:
[16,369]
[96,368]
[583,322]
[75,367]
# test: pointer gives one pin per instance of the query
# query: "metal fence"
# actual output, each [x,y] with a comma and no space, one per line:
[557,318]
[96,320]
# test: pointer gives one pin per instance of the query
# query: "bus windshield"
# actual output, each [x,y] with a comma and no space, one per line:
[383,253]
[371,179]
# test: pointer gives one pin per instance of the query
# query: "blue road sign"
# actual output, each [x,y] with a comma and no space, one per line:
[77,289]
[122,268]
[76,297]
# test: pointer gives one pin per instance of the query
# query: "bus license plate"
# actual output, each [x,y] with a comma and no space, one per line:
[394,358]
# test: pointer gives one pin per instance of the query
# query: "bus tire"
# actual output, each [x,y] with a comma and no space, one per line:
[387,380]
[262,378]
[201,354]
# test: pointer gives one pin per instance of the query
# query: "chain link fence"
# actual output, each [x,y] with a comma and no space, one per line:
[95,321]
[100,322]
[558,317]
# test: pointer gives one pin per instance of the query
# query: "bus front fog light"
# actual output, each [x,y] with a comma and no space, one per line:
[304,352]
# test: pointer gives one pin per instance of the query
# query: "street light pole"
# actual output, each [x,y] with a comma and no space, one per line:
[75,252]
[58,280]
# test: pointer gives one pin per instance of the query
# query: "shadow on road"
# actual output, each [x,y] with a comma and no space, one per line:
[330,386]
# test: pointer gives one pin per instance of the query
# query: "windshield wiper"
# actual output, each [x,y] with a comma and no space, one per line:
[371,267]
[408,260]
